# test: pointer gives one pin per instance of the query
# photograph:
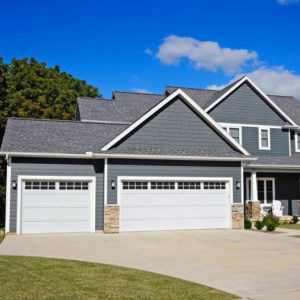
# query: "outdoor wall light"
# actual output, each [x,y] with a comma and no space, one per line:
[238,185]
[113,184]
[14,184]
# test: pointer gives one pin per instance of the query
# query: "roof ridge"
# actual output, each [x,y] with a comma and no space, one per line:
[182,87]
[66,121]
[138,93]
[95,98]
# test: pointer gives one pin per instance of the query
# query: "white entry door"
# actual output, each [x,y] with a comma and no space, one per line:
[169,205]
[50,206]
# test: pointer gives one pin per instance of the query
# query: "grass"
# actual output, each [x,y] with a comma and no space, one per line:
[2,236]
[295,236]
[290,226]
[45,278]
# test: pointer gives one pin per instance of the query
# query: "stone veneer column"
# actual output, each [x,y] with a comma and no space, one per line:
[253,210]
[237,215]
[111,218]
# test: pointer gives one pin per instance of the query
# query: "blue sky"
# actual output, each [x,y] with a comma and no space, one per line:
[145,45]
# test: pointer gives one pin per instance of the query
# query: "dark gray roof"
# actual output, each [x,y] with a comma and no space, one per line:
[200,96]
[178,152]
[124,107]
[277,160]
[30,135]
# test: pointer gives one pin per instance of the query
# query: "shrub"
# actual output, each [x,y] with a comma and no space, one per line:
[259,225]
[271,225]
[295,220]
[247,223]
[271,217]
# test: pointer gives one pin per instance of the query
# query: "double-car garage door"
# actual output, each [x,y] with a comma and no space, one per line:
[170,205]
[50,206]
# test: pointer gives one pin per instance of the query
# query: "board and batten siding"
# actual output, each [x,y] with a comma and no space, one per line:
[122,167]
[245,106]
[57,167]
[176,126]
[279,141]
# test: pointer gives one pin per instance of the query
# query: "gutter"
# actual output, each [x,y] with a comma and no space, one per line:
[89,155]
[273,167]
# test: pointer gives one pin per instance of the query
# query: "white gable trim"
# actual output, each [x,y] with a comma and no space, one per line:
[193,105]
[237,85]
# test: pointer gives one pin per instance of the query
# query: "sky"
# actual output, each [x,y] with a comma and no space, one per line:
[142,46]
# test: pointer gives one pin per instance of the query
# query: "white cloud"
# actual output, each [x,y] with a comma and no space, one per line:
[287,2]
[148,51]
[203,54]
[275,80]
[139,90]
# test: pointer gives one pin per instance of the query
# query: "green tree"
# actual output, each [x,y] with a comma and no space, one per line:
[30,89]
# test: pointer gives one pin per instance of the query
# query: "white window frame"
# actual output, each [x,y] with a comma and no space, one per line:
[91,179]
[259,138]
[227,129]
[296,141]
[248,192]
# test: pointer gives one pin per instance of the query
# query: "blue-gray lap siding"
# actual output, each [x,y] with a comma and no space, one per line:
[58,167]
[286,190]
[244,106]
[121,167]
[279,141]
[177,126]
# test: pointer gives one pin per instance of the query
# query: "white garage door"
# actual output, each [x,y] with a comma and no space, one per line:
[167,205]
[55,206]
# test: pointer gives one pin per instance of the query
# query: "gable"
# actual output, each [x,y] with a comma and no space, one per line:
[175,126]
[245,106]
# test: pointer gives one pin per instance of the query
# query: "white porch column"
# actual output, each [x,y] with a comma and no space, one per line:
[253,186]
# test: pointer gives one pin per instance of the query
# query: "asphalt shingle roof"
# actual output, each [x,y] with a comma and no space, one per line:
[277,160]
[50,136]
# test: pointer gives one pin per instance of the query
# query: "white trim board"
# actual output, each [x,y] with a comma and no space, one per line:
[189,101]
[224,124]
[228,180]
[8,193]
[237,85]
[92,179]
[296,135]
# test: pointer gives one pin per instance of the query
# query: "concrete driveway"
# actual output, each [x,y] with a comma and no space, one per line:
[250,264]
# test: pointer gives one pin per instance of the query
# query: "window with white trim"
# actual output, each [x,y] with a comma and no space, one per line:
[135,185]
[39,185]
[73,185]
[264,138]
[162,185]
[214,185]
[235,133]
[297,141]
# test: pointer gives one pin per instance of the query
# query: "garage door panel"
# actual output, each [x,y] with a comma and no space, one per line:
[175,209]
[63,207]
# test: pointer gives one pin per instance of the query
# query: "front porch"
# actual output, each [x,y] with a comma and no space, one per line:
[263,187]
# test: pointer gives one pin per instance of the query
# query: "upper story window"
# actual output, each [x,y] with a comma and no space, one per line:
[235,133]
[297,141]
[264,138]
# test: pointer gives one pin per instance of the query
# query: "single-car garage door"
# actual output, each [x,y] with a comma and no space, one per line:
[166,205]
[50,206]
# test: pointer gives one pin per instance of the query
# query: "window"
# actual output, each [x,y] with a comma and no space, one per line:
[235,133]
[39,185]
[297,142]
[214,185]
[162,185]
[135,185]
[73,185]
[264,138]
[265,190]
[189,185]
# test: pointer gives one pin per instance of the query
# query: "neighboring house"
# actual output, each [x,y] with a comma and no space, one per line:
[186,159]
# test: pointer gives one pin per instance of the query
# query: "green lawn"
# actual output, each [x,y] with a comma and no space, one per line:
[295,236]
[45,278]
[1,236]
[290,226]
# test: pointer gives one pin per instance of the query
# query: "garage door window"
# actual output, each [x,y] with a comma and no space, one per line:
[40,185]
[73,185]
[135,185]
[190,185]
[162,185]
[214,185]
